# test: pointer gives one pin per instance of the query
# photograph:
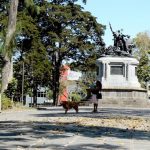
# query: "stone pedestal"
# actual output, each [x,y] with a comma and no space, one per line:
[119,80]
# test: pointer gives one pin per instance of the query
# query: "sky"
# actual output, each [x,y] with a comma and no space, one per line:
[133,16]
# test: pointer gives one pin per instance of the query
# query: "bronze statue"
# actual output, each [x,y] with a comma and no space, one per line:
[120,42]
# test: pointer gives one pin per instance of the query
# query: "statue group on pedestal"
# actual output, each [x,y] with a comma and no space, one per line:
[122,45]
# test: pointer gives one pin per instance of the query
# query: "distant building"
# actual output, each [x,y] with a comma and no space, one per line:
[41,97]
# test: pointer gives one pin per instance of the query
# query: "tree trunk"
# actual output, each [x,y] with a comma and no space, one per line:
[34,97]
[56,91]
[54,88]
[56,75]
[57,85]
[11,22]
[7,71]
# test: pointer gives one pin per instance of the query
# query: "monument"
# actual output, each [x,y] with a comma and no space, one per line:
[117,70]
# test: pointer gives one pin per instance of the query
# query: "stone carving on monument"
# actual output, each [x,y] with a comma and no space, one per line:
[117,72]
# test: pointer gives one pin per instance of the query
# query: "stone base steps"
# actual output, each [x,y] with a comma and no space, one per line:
[145,103]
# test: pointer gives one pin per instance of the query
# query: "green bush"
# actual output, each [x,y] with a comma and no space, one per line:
[49,94]
[12,86]
[6,103]
[75,97]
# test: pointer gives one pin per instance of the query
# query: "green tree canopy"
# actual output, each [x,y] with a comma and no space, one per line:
[142,52]
[49,32]
[72,35]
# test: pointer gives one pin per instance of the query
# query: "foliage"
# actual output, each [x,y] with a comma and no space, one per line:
[32,53]
[143,70]
[75,97]
[45,37]
[11,89]
[73,34]
[79,88]
[88,78]
[49,94]
[142,42]
[6,102]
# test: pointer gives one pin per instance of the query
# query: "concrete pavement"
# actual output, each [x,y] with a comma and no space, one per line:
[50,129]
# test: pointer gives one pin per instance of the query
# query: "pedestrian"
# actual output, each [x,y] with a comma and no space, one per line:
[96,95]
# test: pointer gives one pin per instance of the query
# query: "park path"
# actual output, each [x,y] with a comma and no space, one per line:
[51,129]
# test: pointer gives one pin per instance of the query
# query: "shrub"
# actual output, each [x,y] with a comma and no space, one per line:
[75,97]
[49,94]
[12,86]
[6,103]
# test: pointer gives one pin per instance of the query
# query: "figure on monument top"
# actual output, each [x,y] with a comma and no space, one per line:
[120,39]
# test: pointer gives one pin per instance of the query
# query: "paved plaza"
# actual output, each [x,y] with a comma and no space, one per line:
[51,129]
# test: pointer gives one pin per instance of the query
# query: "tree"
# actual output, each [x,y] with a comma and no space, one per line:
[7,69]
[73,34]
[31,53]
[143,70]
[142,41]
[7,42]
[11,89]
[142,52]
[7,48]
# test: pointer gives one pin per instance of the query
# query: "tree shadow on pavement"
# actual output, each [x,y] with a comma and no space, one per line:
[102,112]
[55,135]
[82,147]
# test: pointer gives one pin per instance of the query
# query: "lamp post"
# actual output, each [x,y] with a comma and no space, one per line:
[22,86]
[22,56]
